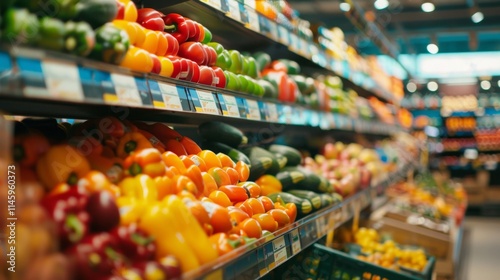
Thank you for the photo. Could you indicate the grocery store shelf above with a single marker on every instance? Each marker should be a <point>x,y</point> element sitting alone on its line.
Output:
<point>231,19</point>
<point>257,259</point>
<point>46,84</point>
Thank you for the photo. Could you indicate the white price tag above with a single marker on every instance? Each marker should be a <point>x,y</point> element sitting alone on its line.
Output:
<point>304,47</point>
<point>294,42</point>
<point>272,112</point>
<point>126,89</point>
<point>279,248</point>
<point>321,226</point>
<point>214,3</point>
<point>288,112</point>
<point>170,96</point>
<point>207,101</point>
<point>253,111</point>
<point>284,35</point>
<point>231,106</point>
<point>234,10</point>
<point>63,80</point>
<point>273,29</point>
<point>295,240</point>
<point>253,20</point>
<point>250,3</point>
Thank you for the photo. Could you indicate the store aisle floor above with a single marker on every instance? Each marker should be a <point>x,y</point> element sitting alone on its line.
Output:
<point>481,251</point>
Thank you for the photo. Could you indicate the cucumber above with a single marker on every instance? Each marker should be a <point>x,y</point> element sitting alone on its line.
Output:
<point>282,160</point>
<point>304,206</point>
<point>313,197</point>
<point>290,179</point>
<point>255,153</point>
<point>293,156</point>
<point>234,154</point>
<point>215,131</point>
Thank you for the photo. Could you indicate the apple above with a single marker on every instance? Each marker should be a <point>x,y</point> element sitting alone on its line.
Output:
<point>347,185</point>
<point>330,151</point>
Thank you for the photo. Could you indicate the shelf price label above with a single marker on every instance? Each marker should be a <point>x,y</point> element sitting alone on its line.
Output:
<point>294,42</point>
<point>253,110</point>
<point>271,112</point>
<point>229,105</point>
<point>253,20</point>
<point>169,97</point>
<point>321,226</point>
<point>295,241</point>
<point>5,68</point>
<point>308,234</point>
<point>283,35</point>
<point>214,3</point>
<point>62,80</point>
<point>126,90</point>
<point>250,3</point>
<point>273,30</point>
<point>204,102</point>
<point>234,10</point>
<point>279,249</point>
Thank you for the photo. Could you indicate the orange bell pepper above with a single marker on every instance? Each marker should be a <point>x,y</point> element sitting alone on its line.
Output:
<point>199,212</point>
<point>140,186</point>
<point>289,208</point>
<point>61,164</point>
<point>147,161</point>
<point>111,166</point>
<point>219,216</point>
<point>225,243</point>
<point>132,142</point>
<point>137,59</point>
<point>157,144</point>
<point>97,181</point>
<point>28,148</point>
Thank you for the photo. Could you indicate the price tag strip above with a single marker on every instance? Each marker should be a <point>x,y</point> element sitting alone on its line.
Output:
<point>235,10</point>
<point>295,241</point>
<point>217,4</point>
<point>90,85</point>
<point>229,105</point>
<point>283,35</point>
<point>169,96</point>
<point>62,80</point>
<point>279,249</point>
<point>5,69</point>
<point>271,112</point>
<point>253,20</point>
<point>253,110</point>
<point>143,88</point>
<point>108,91</point>
<point>126,89</point>
<point>204,101</point>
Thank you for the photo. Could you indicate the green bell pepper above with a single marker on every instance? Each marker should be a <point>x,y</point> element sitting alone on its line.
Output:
<point>20,27</point>
<point>51,34</point>
<point>111,44</point>
<point>79,38</point>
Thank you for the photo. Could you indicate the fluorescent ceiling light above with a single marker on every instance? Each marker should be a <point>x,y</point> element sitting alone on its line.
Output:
<point>477,17</point>
<point>428,7</point>
<point>411,87</point>
<point>381,4</point>
<point>432,48</point>
<point>346,7</point>
<point>432,86</point>
<point>486,85</point>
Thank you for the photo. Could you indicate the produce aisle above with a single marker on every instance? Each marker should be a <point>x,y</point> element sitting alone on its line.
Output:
<point>208,140</point>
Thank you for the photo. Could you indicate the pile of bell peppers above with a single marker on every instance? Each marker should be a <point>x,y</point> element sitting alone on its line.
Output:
<point>134,198</point>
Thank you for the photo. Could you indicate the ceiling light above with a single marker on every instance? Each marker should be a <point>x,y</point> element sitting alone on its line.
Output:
<point>432,48</point>
<point>346,7</point>
<point>428,7</point>
<point>477,17</point>
<point>486,85</point>
<point>381,4</point>
<point>432,86</point>
<point>411,87</point>
<point>498,83</point>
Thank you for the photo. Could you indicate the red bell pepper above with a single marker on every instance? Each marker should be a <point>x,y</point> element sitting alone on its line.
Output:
<point>134,243</point>
<point>181,67</point>
<point>151,19</point>
<point>193,51</point>
<point>194,30</point>
<point>207,76</point>
<point>193,71</point>
<point>68,210</point>
<point>172,44</point>
<point>211,55</point>
<point>96,257</point>
<point>177,26</point>
<point>220,79</point>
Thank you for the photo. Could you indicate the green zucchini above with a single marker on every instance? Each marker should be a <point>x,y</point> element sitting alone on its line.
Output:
<point>282,160</point>
<point>96,12</point>
<point>255,153</point>
<point>222,132</point>
<point>313,197</point>
<point>293,156</point>
<point>304,206</point>
<point>234,154</point>
<point>259,167</point>
<point>290,179</point>
<point>337,198</point>
<point>326,200</point>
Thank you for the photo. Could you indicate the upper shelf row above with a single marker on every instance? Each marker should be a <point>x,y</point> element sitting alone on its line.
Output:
<point>236,24</point>
<point>43,83</point>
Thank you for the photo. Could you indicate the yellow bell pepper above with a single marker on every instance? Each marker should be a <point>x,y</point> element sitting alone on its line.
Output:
<point>162,223</point>
<point>61,164</point>
<point>192,231</point>
<point>140,186</point>
<point>131,209</point>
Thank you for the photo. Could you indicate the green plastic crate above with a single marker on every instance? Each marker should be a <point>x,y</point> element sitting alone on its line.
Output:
<point>335,264</point>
